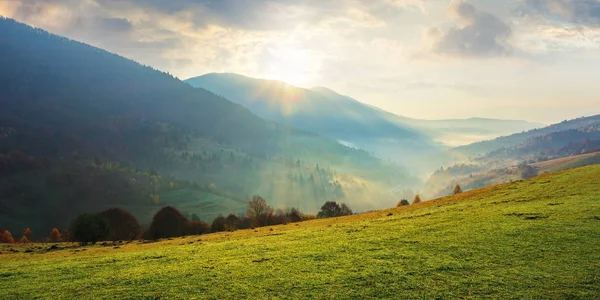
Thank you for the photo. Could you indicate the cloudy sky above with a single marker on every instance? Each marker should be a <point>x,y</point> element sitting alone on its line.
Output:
<point>537,60</point>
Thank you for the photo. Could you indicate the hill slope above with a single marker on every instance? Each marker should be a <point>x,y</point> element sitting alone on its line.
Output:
<point>530,239</point>
<point>79,125</point>
<point>513,140</point>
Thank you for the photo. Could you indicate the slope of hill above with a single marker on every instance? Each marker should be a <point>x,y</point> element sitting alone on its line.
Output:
<point>531,239</point>
<point>68,107</point>
<point>471,177</point>
<point>484,147</point>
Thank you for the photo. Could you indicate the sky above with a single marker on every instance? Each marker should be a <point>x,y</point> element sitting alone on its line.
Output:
<point>537,60</point>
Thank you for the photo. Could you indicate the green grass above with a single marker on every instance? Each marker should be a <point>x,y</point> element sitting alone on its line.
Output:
<point>530,239</point>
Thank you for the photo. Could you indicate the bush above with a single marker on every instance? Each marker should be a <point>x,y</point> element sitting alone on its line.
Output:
<point>167,222</point>
<point>89,228</point>
<point>24,240</point>
<point>417,199</point>
<point>123,225</point>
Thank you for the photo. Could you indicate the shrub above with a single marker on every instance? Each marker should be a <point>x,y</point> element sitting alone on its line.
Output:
<point>89,228</point>
<point>219,224</point>
<point>55,235</point>
<point>6,237</point>
<point>417,199</point>
<point>167,222</point>
<point>123,225</point>
<point>24,240</point>
<point>457,190</point>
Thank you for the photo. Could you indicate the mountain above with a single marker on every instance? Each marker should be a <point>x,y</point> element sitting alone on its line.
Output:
<point>340,118</point>
<point>450,132</point>
<point>481,148</point>
<point>82,129</point>
<point>414,143</point>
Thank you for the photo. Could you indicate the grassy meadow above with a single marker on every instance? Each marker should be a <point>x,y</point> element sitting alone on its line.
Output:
<point>538,238</point>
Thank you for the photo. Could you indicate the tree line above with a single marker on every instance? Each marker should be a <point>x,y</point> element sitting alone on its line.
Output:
<point>116,224</point>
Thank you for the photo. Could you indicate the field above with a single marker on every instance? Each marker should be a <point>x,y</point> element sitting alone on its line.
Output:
<point>537,238</point>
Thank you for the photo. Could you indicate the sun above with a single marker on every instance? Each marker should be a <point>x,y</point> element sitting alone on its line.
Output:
<point>291,65</point>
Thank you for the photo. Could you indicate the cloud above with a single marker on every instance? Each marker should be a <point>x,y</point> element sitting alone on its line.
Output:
<point>581,12</point>
<point>559,25</point>
<point>473,34</point>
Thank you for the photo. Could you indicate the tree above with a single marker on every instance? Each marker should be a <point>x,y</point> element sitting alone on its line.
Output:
<point>232,222</point>
<point>27,233</point>
<point>329,209</point>
<point>345,210</point>
<point>122,224</point>
<point>259,211</point>
<point>294,215</point>
<point>89,228</point>
<point>402,202</point>
<point>55,235</point>
<point>194,217</point>
<point>24,240</point>
<point>6,237</point>
<point>197,227</point>
<point>167,222</point>
<point>219,224</point>
<point>417,199</point>
<point>457,190</point>
<point>527,171</point>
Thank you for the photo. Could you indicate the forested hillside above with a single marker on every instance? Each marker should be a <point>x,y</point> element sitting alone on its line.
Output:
<point>81,127</point>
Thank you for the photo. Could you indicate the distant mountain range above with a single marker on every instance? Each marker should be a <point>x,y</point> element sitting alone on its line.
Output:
<point>321,110</point>
<point>484,147</point>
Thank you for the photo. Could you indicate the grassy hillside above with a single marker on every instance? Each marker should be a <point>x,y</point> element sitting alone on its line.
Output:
<point>471,177</point>
<point>529,239</point>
